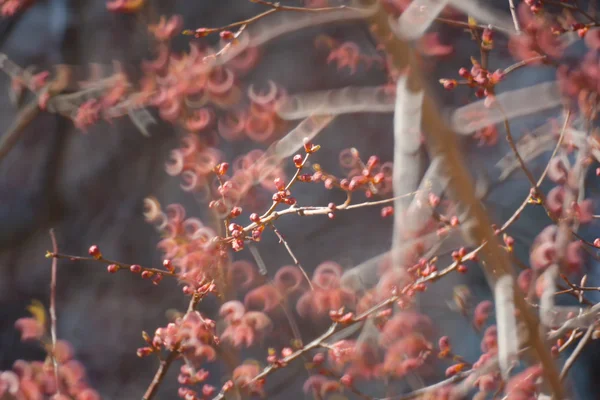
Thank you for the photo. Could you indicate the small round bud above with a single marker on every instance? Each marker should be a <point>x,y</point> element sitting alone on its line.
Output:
<point>318,359</point>
<point>94,251</point>
<point>332,206</point>
<point>254,217</point>
<point>448,84</point>
<point>144,351</point>
<point>464,73</point>
<point>222,168</point>
<point>462,269</point>
<point>305,178</point>
<point>387,211</point>
<point>372,162</point>
<point>168,265</point>
<point>298,159</point>
<point>346,380</point>
<point>201,32</point>
<point>227,35</point>
<point>147,274</point>
<point>279,184</point>
<point>157,279</point>
<point>236,211</point>
<point>112,268</point>
<point>136,269</point>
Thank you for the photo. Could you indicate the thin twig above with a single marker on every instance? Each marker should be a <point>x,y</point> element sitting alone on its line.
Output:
<point>294,258</point>
<point>160,374</point>
<point>513,13</point>
<point>571,360</point>
<point>274,7</point>
<point>542,177</point>
<point>53,310</point>
<point>120,265</point>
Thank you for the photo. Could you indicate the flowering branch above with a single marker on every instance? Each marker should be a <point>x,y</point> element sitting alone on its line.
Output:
<point>441,143</point>
<point>115,266</point>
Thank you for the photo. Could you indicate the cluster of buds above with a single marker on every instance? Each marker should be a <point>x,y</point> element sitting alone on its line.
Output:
<point>146,273</point>
<point>373,177</point>
<point>237,233</point>
<point>192,335</point>
<point>459,258</point>
<point>279,362</point>
<point>283,195</point>
<point>208,391</point>
<point>477,77</point>
<point>424,267</point>
<point>346,54</point>
<point>113,91</point>
<point>341,316</point>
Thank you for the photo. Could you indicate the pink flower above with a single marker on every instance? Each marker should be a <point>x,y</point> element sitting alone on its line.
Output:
<point>265,298</point>
<point>537,37</point>
<point>487,136</point>
<point>489,343</point>
<point>242,377</point>
<point>482,313</point>
<point>524,280</point>
<point>124,6</point>
<point>403,324</point>
<point>592,39</point>
<point>87,114</point>
<point>318,384</point>
<point>555,200</point>
<point>11,7</point>
<point>167,29</point>
<point>252,327</point>
<point>429,44</point>
<point>9,384</point>
<point>290,281</point>
<point>30,328</point>
<point>524,386</point>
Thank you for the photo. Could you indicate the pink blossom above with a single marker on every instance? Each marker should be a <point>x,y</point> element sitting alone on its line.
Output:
<point>482,313</point>
<point>429,44</point>
<point>403,324</point>
<point>524,385</point>
<point>537,37</point>
<point>290,281</point>
<point>243,376</point>
<point>31,329</point>
<point>167,29</point>
<point>592,39</point>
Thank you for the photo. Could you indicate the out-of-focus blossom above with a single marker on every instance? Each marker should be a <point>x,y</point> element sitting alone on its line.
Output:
<point>166,29</point>
<point>124,6</point>
<point>244,328</point>
<point>11,7</point>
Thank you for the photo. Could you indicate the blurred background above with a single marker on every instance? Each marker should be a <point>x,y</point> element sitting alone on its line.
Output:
<point>90,186</point>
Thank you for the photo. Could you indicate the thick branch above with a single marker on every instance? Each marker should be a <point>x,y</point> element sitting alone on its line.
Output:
<point>441,142</point>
